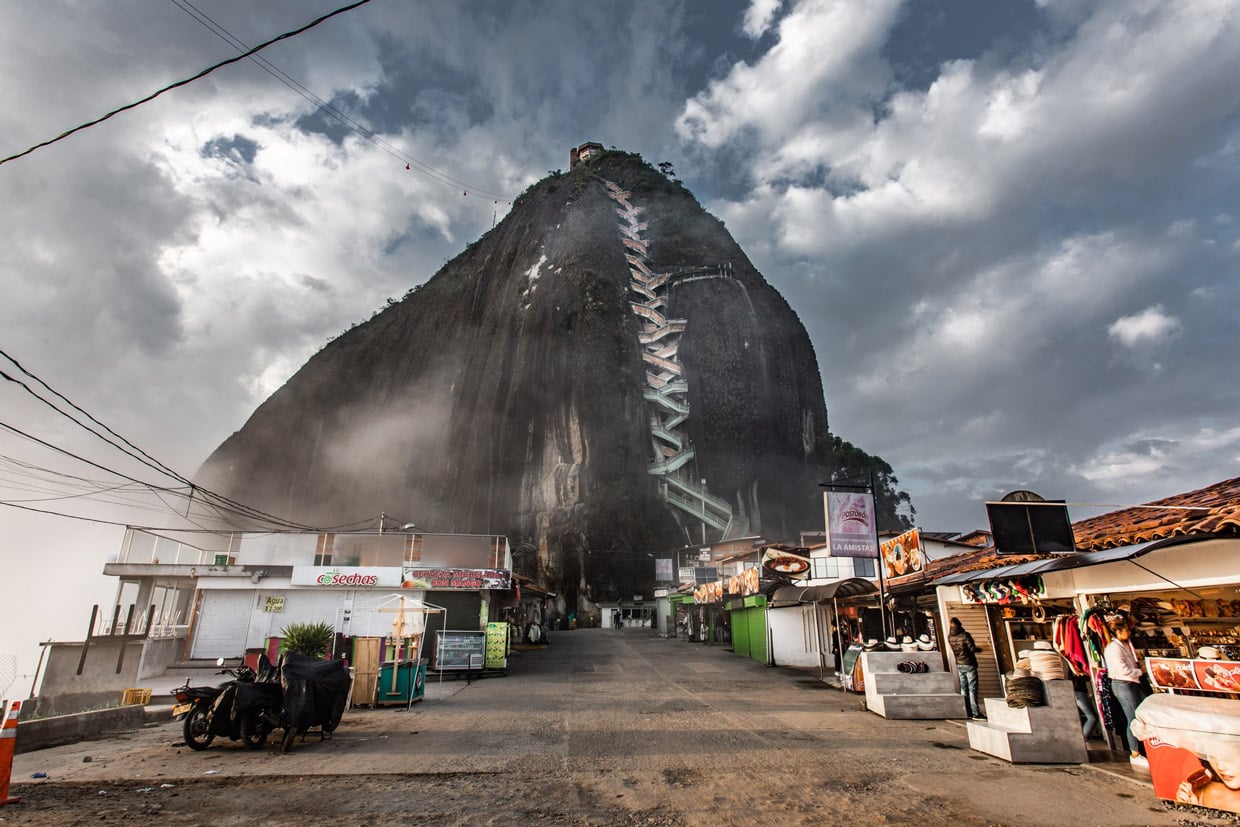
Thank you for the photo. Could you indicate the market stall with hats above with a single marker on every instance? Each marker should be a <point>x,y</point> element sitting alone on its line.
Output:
<point>1160,578</point>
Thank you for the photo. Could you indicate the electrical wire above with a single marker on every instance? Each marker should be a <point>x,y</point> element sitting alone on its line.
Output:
<point>280,75</point>
<point>153,529</point>
<point>217,500</point>
<point>184,82</point>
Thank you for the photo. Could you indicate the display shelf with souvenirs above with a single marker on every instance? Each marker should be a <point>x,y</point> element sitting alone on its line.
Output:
<point>1176,628</point>
<point>1025,634</point>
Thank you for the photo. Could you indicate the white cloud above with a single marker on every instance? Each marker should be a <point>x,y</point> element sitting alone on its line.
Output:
<point>1151,326</point>
<point>758,17</point>
<point>826,51</point>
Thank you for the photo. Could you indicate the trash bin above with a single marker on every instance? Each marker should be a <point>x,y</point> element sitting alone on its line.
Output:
<point>1193,746</point>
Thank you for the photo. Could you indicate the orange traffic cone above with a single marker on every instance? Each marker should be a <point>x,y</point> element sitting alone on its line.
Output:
<point>8,744</point>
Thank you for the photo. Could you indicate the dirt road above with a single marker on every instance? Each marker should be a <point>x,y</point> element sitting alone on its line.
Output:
<point>603,727</point>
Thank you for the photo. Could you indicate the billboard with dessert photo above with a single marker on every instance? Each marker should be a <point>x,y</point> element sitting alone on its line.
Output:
<point>903,554</point>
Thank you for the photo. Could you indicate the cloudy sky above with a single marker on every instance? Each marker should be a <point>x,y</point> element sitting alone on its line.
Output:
<point>1010,228</point>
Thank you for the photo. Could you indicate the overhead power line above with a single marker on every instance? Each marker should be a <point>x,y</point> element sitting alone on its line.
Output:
<point>222,505</point>
<point>185,82</point>
<point>328,109</point>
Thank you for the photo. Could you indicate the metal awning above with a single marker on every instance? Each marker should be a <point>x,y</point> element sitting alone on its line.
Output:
<point>797,595</point>
<point>1080,559</point>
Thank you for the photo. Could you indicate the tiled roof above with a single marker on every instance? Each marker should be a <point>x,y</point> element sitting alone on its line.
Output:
<point>983,558</point>
<point>1142,524</point>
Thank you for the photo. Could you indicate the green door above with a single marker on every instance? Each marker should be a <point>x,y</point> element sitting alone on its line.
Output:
<point>740,632</point>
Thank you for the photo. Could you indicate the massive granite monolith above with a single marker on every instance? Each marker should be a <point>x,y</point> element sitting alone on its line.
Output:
<point>602,375</point>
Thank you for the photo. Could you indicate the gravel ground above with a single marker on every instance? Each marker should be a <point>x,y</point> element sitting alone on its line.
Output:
<point>604,727</point>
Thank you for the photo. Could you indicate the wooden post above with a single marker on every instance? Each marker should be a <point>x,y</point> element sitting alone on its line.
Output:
<point>90,629</point>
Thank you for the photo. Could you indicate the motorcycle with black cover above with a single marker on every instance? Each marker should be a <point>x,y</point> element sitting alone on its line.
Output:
<point>257,706</point>
<point>315,693</point>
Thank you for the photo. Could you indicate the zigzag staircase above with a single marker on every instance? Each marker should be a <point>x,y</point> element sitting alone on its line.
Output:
<point>666,388</point>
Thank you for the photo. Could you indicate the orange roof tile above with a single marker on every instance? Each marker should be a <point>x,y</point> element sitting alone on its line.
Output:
<point>1141,524</point>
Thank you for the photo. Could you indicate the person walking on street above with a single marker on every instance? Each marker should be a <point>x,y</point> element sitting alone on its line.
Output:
<point>965,650</point>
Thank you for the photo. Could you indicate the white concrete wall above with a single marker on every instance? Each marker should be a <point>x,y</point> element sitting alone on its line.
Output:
<point>1194,565</point>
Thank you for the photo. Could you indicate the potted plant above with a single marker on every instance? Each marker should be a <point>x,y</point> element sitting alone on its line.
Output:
<point>311,639</point>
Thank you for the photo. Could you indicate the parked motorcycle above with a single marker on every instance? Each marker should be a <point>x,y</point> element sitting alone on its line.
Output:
<point>313,695</point>
<point>208,710</point>
<point>258,707</point>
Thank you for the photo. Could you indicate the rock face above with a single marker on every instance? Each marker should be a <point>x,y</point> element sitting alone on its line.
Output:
<point>569,380</point>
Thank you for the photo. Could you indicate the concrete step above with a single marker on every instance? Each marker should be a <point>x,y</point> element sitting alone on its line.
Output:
<point>990,738</point>
<point>917,707</point>
<point>879,662</point>
<point>1000,714</point>
<point>898,683</point>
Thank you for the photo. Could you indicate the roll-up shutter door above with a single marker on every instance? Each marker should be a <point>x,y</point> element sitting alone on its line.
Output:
<point>222,624</point>
<point>757,633</point>
<point>974,619</point>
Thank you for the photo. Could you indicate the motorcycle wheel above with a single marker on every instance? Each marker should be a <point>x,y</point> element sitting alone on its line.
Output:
<point>289,734</point>
<point>254,731</point>
<point>195,730</point>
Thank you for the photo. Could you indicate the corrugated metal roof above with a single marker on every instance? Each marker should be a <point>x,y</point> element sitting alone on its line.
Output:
<point>1045,565</point>
<point>795,595</point>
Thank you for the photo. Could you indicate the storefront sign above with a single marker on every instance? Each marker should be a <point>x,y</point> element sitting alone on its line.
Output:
<point>1171,673</point>
<point>346,576</point>
<point>745,583</point>
<point>783,564</point>
<point>273,604</point>
<point>902,555</point>
<point>1013,590</point>
<point>460,579</point>
<point>708,592</point>
<point>850,524</point>
<point>1203,675</point>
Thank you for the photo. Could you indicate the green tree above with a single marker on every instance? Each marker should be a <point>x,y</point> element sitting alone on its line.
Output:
<point>840,461</point>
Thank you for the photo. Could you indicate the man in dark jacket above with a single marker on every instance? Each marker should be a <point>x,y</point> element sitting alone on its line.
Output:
<point>965,651</point>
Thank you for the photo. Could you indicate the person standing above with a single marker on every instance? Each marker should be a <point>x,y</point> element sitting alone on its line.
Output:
<point>965,650</point>
<point>1085,703</point>
<point>1124,670</point>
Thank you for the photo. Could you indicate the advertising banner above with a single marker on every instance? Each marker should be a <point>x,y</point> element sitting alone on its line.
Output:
<point>850,524</point>
<point>902,555</point>
<point>663,570</point>
<point>450,579</point>
<point>348,577</point>
<point>785,564</point>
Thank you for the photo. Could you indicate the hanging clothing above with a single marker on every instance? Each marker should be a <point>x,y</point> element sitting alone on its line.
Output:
<point>1095,634</point>
<point>1067,642</point>
<point>1106,700</point>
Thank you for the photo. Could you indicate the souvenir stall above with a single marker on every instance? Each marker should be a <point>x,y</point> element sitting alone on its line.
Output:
<point>1181,597</point>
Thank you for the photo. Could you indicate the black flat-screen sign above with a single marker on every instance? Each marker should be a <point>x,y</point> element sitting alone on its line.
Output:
<point>1031,527</point>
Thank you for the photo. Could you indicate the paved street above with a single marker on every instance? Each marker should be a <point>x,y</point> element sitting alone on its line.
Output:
<point>602,727</point>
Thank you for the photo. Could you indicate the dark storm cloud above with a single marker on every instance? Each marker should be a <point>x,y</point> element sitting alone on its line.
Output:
<point>1010,229</point>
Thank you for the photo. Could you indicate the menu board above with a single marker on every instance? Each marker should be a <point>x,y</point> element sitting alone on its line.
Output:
<point>460,651</point>
<point>1200,675</point>
<point>497,645</point>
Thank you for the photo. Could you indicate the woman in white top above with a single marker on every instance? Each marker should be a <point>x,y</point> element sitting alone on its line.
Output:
<point>1124,670</point>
